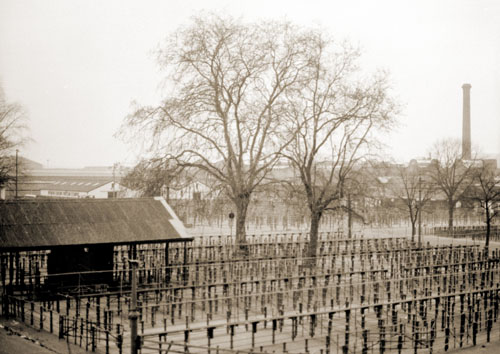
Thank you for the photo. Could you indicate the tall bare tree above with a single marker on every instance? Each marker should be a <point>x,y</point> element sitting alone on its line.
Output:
<point>451,175</point>
<point>486,192</point>
<point>334,114</point>
<point>228,81</point>
<point>12,118</point>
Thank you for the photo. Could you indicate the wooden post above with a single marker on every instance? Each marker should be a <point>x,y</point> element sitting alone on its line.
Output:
<point>133,315</point>
<point>167,264</point>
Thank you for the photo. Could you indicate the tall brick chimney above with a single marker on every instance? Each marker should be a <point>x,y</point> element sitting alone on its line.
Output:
<point>466,140</point>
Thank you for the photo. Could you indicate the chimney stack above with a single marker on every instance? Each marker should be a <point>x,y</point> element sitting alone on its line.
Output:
<point>466,140</point>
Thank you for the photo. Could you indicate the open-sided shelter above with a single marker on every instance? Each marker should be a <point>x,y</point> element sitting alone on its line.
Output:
<point>80,236</point>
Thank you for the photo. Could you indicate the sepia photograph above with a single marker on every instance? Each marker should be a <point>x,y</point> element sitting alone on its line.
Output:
<point>238,177</point>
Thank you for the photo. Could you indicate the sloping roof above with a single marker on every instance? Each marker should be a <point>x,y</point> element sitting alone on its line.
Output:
<point>62,183</point>
<point>46,222</point>
<point>73,186</point>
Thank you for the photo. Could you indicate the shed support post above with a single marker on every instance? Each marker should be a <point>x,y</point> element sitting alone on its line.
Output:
<point>185,273</point>
<point>11,273</point>
<point>167,269</point>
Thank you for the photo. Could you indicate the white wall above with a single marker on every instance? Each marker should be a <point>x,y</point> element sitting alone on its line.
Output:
<point>102,191</point>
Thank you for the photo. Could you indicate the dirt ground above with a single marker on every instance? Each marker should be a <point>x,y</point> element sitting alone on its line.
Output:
<point>16,338</point>
<point>490,348</point>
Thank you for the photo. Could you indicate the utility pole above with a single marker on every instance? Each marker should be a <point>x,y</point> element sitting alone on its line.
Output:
<point>419,212</point>
<point>349,216</point>
<point>17,173</point>
<point>133,315</point>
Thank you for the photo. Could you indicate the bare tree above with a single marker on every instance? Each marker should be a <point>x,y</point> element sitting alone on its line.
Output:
<point>334,114</point>
<point>451,174</point>
<point>357,192</point>
<point>12,118</point>
<point>228,82</point>
<point>486,192</point>
<point>414,190</point>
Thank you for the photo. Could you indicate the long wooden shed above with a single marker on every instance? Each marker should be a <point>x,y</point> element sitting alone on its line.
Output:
<point>80,236</point>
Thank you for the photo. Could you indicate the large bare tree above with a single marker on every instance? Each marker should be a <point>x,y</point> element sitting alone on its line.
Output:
<point>12,118</point>
<point>334,113</point>
<point>227,82</point>
<point>451,175</point>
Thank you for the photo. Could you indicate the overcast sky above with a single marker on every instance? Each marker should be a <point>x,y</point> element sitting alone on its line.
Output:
<point>76,65</point>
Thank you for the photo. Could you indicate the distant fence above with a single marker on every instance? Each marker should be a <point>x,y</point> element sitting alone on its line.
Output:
<point>477,232</point>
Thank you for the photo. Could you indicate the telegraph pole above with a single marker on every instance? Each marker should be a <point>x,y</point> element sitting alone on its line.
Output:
<point>349,216</point>
<point>420,212</point>
<point>17,173</point>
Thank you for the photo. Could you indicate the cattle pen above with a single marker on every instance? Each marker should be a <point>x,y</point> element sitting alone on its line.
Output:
<point>360,294</point>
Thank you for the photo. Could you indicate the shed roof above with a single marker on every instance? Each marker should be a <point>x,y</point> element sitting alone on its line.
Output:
<point>44,223</point>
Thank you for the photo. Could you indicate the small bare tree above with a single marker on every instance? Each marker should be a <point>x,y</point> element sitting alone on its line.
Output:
<point>334,114</point>
<point>12,126</point>
<point>486,192</point>
<point>228,83</point>
<point>451,174</point>
<point>414,190</point>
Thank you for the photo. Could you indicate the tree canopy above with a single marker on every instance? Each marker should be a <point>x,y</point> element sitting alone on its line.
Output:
<point>228,82</point>
<point>333,114</point>
<point>451,174</point>
<point>241,96</point>
<point>12,118</point>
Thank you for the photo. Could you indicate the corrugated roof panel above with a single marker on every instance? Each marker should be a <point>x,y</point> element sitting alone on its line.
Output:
<point>111,214</point>
<point>84,214</point>
<point>37,230</point>
<point>5,216</point>
<point>53,233</point>
<point>49,222</point>
<point>46,215</point>
<point>123,230</point>
<point>35,233</point>
<point>158,229</point>
<point>64,234</point>
<point>17,216</point>
<point>93,213</point>
<point>36,217</point>
<point>100,212</point>
<point>59,213</point>
<point>120,213</point>
<point>10,238</point>
<point>65,213</point>
<point>111,233</point>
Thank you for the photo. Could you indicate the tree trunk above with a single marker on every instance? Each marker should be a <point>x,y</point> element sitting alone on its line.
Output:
<point>413,230</point>
<point>313,233</point>
<point>349,217</point>
<point>451,209</point>
<point>241,215</point>
<point>488,231</point>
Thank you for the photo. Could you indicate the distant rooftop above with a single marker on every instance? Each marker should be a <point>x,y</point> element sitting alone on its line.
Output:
<point>88,172</point>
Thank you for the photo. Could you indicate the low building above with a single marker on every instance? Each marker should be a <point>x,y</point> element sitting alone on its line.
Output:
<point>65,187</point>
<point>92,182</point>
<point>70,243</point>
